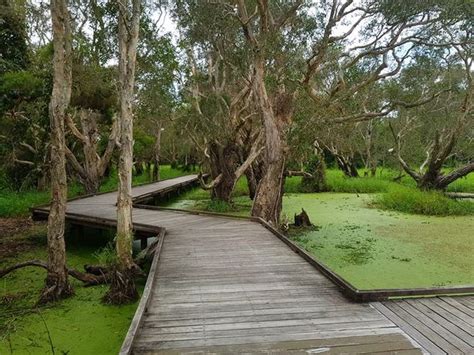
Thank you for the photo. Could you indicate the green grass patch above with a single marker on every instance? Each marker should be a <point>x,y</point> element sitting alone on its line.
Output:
<point>464,184</point>
<point>414,201</point>
<point>18,203</point>
<point>14,204</point>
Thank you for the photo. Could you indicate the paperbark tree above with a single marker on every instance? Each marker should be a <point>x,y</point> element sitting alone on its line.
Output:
<point>260,29</point>
<point>454,121</point>
<point>123,288</point>
<point>56,284</point>
<point>93,166</point>
<point>223,123</point>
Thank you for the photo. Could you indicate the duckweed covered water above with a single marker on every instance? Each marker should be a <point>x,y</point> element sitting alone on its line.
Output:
<point>377,249</point>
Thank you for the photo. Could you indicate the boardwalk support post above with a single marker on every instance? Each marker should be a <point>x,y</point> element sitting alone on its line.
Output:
<point>143,242</point>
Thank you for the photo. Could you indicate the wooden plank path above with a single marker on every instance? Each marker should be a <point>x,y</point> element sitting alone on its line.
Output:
<point>442,325</point>
<point>224,285</point>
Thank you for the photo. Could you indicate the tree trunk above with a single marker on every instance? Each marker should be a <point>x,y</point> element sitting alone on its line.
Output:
<point>224,163</point>
<point>91,186</point>
<point>254,175</point>
<point>268,200</point>
<point>128,26</point>
<point>57,285</point>
<point>347,165</point>
<point>156,155</point>
<point>316,182</point>
<point>91,158</point>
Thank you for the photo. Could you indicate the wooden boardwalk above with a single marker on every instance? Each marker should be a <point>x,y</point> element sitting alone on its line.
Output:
<point>224,285</point>
<point>441,325</point>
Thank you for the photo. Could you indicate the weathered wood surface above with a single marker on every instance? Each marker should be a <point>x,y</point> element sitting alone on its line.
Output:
<point>226,285</point>
<point>442,325</point>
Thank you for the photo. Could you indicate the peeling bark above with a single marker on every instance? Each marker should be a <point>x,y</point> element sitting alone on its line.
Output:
<point>57,285</point>
<point>123,287</point>
<point>268,199</point>
<point>157,154</point>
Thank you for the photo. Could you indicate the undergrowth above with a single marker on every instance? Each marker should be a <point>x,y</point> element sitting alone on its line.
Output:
<point>414,201</point>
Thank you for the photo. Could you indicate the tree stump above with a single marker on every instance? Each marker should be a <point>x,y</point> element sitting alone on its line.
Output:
<point>302,219</point>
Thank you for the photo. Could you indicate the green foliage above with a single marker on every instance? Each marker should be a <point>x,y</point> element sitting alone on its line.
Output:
<point>219,206</point>
<point>143,145</point>
<point>414,201</point>
<point>94,88</point>
<point>14,50</point>
<point>239,206</point>
<point>106,255</point>
<point>24,121</point>
<point>20,85</point>
<point>337,182</point>
<point>18,203</point>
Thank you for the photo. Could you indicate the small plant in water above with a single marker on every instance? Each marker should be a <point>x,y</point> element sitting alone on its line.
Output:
<point>106,255</point>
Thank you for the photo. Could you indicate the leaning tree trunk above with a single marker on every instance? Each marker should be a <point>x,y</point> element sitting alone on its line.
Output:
<point>57,285</point>
<point>254,175</point>
<point>347,165</point>
<point>123,290</point>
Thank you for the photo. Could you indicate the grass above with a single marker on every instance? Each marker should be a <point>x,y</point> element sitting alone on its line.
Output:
<point>337,182</point>
<point>414,201</point>
<point>14,203</point>
<point>81,324</point>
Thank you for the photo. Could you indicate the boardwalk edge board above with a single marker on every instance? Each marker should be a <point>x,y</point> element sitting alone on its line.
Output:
<point>144,300</point>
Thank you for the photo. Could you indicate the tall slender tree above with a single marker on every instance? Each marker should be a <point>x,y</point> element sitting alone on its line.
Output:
<point>57,285</point>
<point>123,289</point>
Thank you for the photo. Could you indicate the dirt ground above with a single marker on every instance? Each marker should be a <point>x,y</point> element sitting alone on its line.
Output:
<point>16,235</point>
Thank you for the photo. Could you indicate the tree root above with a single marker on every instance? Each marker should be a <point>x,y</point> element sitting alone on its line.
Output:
<point>122,288</point>
<point>55,289</point>
<point>89,279</point>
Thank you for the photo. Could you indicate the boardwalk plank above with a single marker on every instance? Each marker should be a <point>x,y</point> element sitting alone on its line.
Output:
<point>434,326</point>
